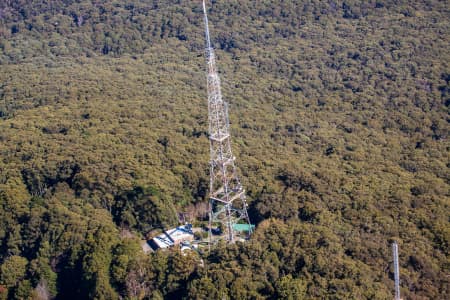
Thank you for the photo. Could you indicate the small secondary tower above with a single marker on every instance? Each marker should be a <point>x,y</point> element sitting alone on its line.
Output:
<point>396,271</point>
<point>227,205</point>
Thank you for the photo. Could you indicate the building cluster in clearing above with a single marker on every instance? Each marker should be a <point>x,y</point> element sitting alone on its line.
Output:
<point>172,237</point>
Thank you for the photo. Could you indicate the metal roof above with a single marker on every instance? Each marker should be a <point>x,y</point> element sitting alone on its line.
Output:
<point>243,227</point>
<point>171,236</point>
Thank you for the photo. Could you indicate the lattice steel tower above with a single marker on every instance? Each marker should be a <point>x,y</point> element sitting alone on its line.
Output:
<point>227,205</point>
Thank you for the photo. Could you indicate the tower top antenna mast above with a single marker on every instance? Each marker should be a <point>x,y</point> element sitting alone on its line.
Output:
<point>208,39</point>
<point>396,271</point>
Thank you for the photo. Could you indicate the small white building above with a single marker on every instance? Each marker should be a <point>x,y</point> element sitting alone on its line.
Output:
<point>172,237</point>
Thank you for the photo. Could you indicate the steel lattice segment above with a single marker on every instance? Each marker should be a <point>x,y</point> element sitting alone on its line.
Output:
<point>227,204</point>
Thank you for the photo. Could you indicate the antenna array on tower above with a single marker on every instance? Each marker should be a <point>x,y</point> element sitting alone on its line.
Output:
<point>396,271</point>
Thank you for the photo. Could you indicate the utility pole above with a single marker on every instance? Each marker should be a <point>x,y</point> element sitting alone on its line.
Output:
<point>396,271</point>
<point>227,204</point>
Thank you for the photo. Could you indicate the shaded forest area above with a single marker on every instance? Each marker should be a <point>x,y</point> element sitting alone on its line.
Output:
<point>339,115</point>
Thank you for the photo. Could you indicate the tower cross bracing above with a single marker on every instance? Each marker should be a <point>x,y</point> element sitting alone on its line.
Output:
<point>227,204</point>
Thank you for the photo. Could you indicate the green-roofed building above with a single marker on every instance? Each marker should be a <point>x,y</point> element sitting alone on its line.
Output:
<point>243,227</point>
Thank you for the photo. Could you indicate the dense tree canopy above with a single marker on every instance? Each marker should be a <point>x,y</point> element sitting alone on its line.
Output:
<point>339,116</point>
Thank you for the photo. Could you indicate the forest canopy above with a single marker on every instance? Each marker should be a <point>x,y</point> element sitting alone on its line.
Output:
<point>339,116</point>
